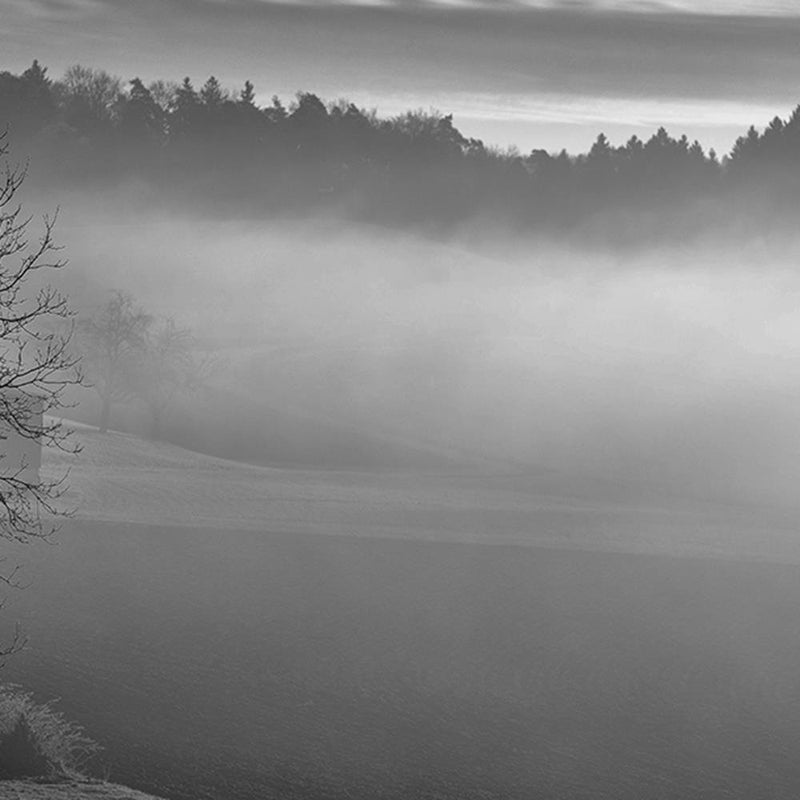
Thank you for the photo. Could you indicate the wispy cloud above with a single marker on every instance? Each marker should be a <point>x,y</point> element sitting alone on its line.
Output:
<point>714,7</point>
<point>553,121</point>
<point>719,8</point>
<point>595,111</point>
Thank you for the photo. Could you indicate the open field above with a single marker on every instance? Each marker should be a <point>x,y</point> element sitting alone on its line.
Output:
<point>244,665</point>
<point>231,650</point>
<point>125,479</point>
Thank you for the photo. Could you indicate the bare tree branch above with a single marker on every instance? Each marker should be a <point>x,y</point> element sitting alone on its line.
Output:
<point>37,364</point>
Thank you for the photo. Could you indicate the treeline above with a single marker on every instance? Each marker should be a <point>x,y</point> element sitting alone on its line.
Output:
<point>221,150</point>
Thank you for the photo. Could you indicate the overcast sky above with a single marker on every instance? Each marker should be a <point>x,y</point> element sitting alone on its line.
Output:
<point>535,74</point>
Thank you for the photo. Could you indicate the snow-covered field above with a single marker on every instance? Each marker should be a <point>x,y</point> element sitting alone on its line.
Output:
<point>122,478</point>
<point>200,621</point>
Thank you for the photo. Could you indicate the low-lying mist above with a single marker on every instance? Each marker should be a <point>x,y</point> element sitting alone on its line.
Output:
<point>671,369</point>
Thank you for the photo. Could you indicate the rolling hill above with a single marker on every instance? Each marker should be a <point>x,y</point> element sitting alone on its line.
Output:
<point>229,630</point>
<point>122,478</point>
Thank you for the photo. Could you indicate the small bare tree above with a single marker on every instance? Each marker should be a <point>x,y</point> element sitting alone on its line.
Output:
<point>167,367</point>
<point>113,340</point>
<point>36,367</point>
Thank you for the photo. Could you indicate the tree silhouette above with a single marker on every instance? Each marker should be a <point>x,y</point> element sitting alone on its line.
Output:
<point>141,120</point>
<point>213,147</point>
<point>112,341</point>
<point>90,98</point>
<point>36,362</point>
<point>184,113</point>
<point>247,97</point>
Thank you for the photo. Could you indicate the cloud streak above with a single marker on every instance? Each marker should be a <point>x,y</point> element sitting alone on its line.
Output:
<point>719,8</point>
<point>554,108</point>
<point>577,49</point>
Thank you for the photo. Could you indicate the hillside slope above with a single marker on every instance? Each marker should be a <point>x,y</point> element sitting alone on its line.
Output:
<point>125,479</point>
<point>363,667</point>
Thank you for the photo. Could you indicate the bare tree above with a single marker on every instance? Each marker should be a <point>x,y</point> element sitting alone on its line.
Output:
<point>113,340</point>
<point>96,91</point>
<point>36,367</point>
<point>36,362</point>
<point>168,366</point>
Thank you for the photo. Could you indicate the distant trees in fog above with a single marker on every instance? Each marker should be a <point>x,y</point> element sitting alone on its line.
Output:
<point>112,341</point>
<point>168,364</point>
<point>209,145</point>
<point>129,354</point>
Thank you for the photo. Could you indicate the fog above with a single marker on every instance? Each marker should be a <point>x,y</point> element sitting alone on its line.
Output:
<point>669,370</point>
<point>492,558</point>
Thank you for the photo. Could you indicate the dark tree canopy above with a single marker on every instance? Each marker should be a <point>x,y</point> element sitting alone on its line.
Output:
<point>221,149</point>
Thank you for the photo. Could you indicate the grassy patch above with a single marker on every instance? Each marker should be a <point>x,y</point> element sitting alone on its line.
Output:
<point>36,741</point>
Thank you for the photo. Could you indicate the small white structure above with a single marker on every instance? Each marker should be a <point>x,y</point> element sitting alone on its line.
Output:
<point>21,456</point>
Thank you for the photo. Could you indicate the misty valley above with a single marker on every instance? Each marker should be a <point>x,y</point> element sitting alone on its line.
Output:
<point>407,632</point>
<point>347,456</point>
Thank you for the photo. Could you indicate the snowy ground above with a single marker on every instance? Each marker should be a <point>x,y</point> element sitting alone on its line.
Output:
<point>122,478</point>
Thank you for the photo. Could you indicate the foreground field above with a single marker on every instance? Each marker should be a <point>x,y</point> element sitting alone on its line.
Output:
<point>461,636</point>
<point>28,790</point>
<point>213,664</point>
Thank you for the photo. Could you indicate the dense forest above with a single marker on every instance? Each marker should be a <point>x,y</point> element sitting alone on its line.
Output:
<point>221,152</point>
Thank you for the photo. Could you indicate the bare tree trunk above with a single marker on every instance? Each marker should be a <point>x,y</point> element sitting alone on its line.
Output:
<point>105,415</point>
